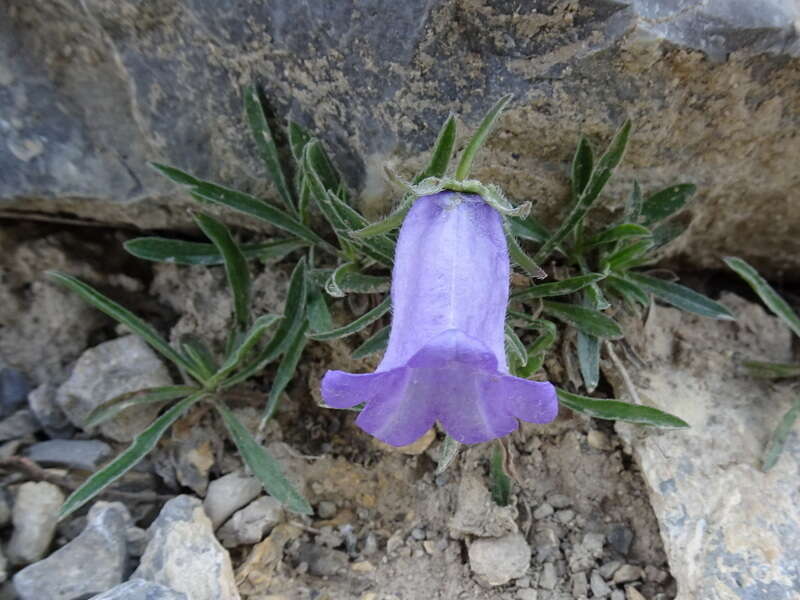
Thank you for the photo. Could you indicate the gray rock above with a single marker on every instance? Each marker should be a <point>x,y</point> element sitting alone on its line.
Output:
<point>14,389</point>
<point>580,585</point>
<point>250,524</point>
<point>139,589</point>
<point>5,506</point>
<point>559,501</point>
<point>599,587</point>
<point>183,535</point>
<point>116,367</point>
<point>19,425</point>
<point>43,405</point>
<point>3,566</point>
<point>620,538</point>
<point>549,576</point>
<point>322,561</point>
<point>496,561</point>
<point>91,563</point>
<point>476,512</point>
<point>228,494</point>
<point>713,503</point>
<point>34,516</point>
<point>608,569</point>
<point>543,511</point>
<point>326,509</point>
<point>137,540</point>
<point>627,573</point>
<point>527,594</point>
<point>86,455</point>
<point>565,516</point>
<point>617,595</point>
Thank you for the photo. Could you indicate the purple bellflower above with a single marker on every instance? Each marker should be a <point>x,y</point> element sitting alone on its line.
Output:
<point>446,358</point>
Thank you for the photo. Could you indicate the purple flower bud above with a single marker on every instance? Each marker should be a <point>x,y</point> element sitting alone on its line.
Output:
<point>446,356</point>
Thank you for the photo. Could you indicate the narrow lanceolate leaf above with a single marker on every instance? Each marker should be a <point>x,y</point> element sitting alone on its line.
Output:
<point>614,410</point>
<point>179,252</point>
<point>235,266</point>
<point>515,347</point>
<point>519,256</point>
<point>245,347</point>
<point>318,314</point>
<point>111,408</point>
<point>666,202</point>
<point>124,316</point>
<point>263,465</point>
<point>286,369</point>
<point>355,282</point>
<point>500,481</point>
<point>317,159</point>
<point>582,164</point>
<point>588,349</point>
<point>378,248</point>
<point>256,116</point>
<point>628,291</point>
<point>176,175</point>
<point>558,288</point>
<point>766,292</point>
<point>680,296</point>
<point>442,152</point>
<point>298,138</point>
<point>198,354</point>
<point>123,463</point>
<point>391,222</point>
<point>780,435</point>
<point>618,232</point>
<point>332,285</point>
<point>633,207</point>
<point>768,370</point>
<point>666,232</point>
<point>583,319</point>
<point>601,173</point>
<point>626,256</point>
<point>357,325</point>
<point>529,229</point>
<point>479,137</point>
<point>377,342</point>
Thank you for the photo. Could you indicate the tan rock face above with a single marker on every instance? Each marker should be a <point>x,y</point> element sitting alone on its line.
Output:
<point>714,90</point>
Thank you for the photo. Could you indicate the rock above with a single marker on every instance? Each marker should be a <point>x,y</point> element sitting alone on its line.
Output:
<point>18,425</point>
<point>126,364</point>
<point>617,595</point>
<point>91,563</point>
<point>627,573</point>
<point>3,566</point>
<point>35,516</point>
<point>585,554</point>
<point>228,494</point>
<point>620,538</point>
<point>43,405</point>
<point>137,540</point>
<point>322,561</point>
<point>527,594</point>
<point>326,509</point>
<point>476,512</point>
<point>559,501</point>
<point>729,529</point>
<point>565,516</point>
<point>85,455</point>
<point>608,569</point>
<point>14,389</point>
<point>5,507</point>
<point>138,589</point>
<point>599,587</point>
<point>543,511</point>
<point>496,561</point>
<point>580,585</point>
<point>631,593</point>
<point>250,524</point>
<point>566,64</point>
<point>549,577</point>
<point>183,535</point>
<point>598,440</point>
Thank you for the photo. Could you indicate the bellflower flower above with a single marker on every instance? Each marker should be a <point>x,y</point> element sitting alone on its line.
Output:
<point>446,359</point>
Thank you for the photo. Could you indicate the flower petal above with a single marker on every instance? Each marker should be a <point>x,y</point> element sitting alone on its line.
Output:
<point>345,390</point>
<point>531,401</point>
<point>453,348</point>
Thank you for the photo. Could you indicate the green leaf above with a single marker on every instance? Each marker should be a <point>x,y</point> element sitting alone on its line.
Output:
<point>666,232</point>
<point>627,290</point>
<point>666,202</point>
<point>198,353</point>
<point>448,453</point>
<point>442,151</point>
<point>317,159</point>
<point>633,207</point>
<point>332,285</point>
<point>318,314</point>
<point>500,481</point>
<point>780,435</point>
<point>601,173</point>
<point>263,465</point>
<point>241,352</point>
<point>583,319</point>
<point>766,292</point>
<point>768,370</point>
<point>257,118</point>
<point>617,233</point>
<point>179,252</point>
<point>529,229</point>
<point>111,408</point>
<point>392,221</point>
<point>558,288</point>
<point>626,256</point>
<point>124,316</point>
<point>298,138</point>
<point>356,282</point>
<point>357,325</point>
<point>377,342</point>
<point>582,164</point>
<point>614,410</point>
<point>479,137</point>
<point>515,347</point>
<point>588,349</point>
<point>286,369</point>
<point>123,463</point>
<point>519,256</point>
<point>680,296</point>
<point>235,266</point>
<point>176,175</point>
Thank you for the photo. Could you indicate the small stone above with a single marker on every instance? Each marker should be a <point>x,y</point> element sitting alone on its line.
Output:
<point>559,501</point>
<point>631,593</point>
<point>549,576</point>
<point>362,566</point>
<point>620,538</point>
<point>429,546</point>
<point>183,535</point>
<point>418,534</point>
<point>85,455</point>
<point>617,595</point>
<point>496,561</point>
<point>565,516</point>
<point>655,574</point>
<point>35,516</point>
<point>137,540</point>
<point>3,566</point>
<point>19,425</point>
<point>5,507</point>
<point>326,509</point>
<point>547,542</point>
<point>580,584</point>
<point>252,523</point>
<point>228,494</point>
<point>119,366</point>
<point>628,573</point>
<point>322,562</point>
<point>370,545</point>
<point>43,405</point>
<point>523,582</point>
<point>608,569</point>
<point>477,514</point>
<point>14,389</point>
<point>599,586</point>
<point>139,589</point>
<point>598,440</point>
<point>544,511</point>
<point>527,594</point>
<point>100,548</point>
<point>394,542</point>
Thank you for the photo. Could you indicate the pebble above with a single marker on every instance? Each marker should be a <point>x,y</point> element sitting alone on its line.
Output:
<point>3,566</point>
<point>496,561</point>
<point>559,501</point>
<point>326,509</point>
<point>126,364</point>
<point>252,523</point>
<point>565,516</point>
<point>631,593</point>
<point>527,594</point>
<point>35,516</point>
<point>544,511</point>
<point>620,538</point>
<point>655,574</point>
<point>370,545</point>
<point>228,494</point>
<point>5,507</point>
<point>63,575</point>
<point>19,425</point>
<point>599,586</point>
<point>617,595</point>
<point>549,576</point>
<point>42,402</point>
<point>139,589</point>
<point>608,569</point>
<point>85,455</point>
<point>418,534</point>
<point>323,562</point>
<point>598,440</point>
<point>580,584</point>
<point>183,535</point>
<point>628,573</point>
<point>14,389</point>
<point>547,542</point>
<point>137,540</point>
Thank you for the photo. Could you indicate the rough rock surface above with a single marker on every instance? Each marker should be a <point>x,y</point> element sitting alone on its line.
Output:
<point>86,455</point>
<point>34,516</point>
<point>184,555</point>
<point>93,562</point>
<point>496,561</point>
<point>138,589</point>
<point>730,530</point>
<point>250,524</point>
<point>228,494</point>
<point>90,91</point>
